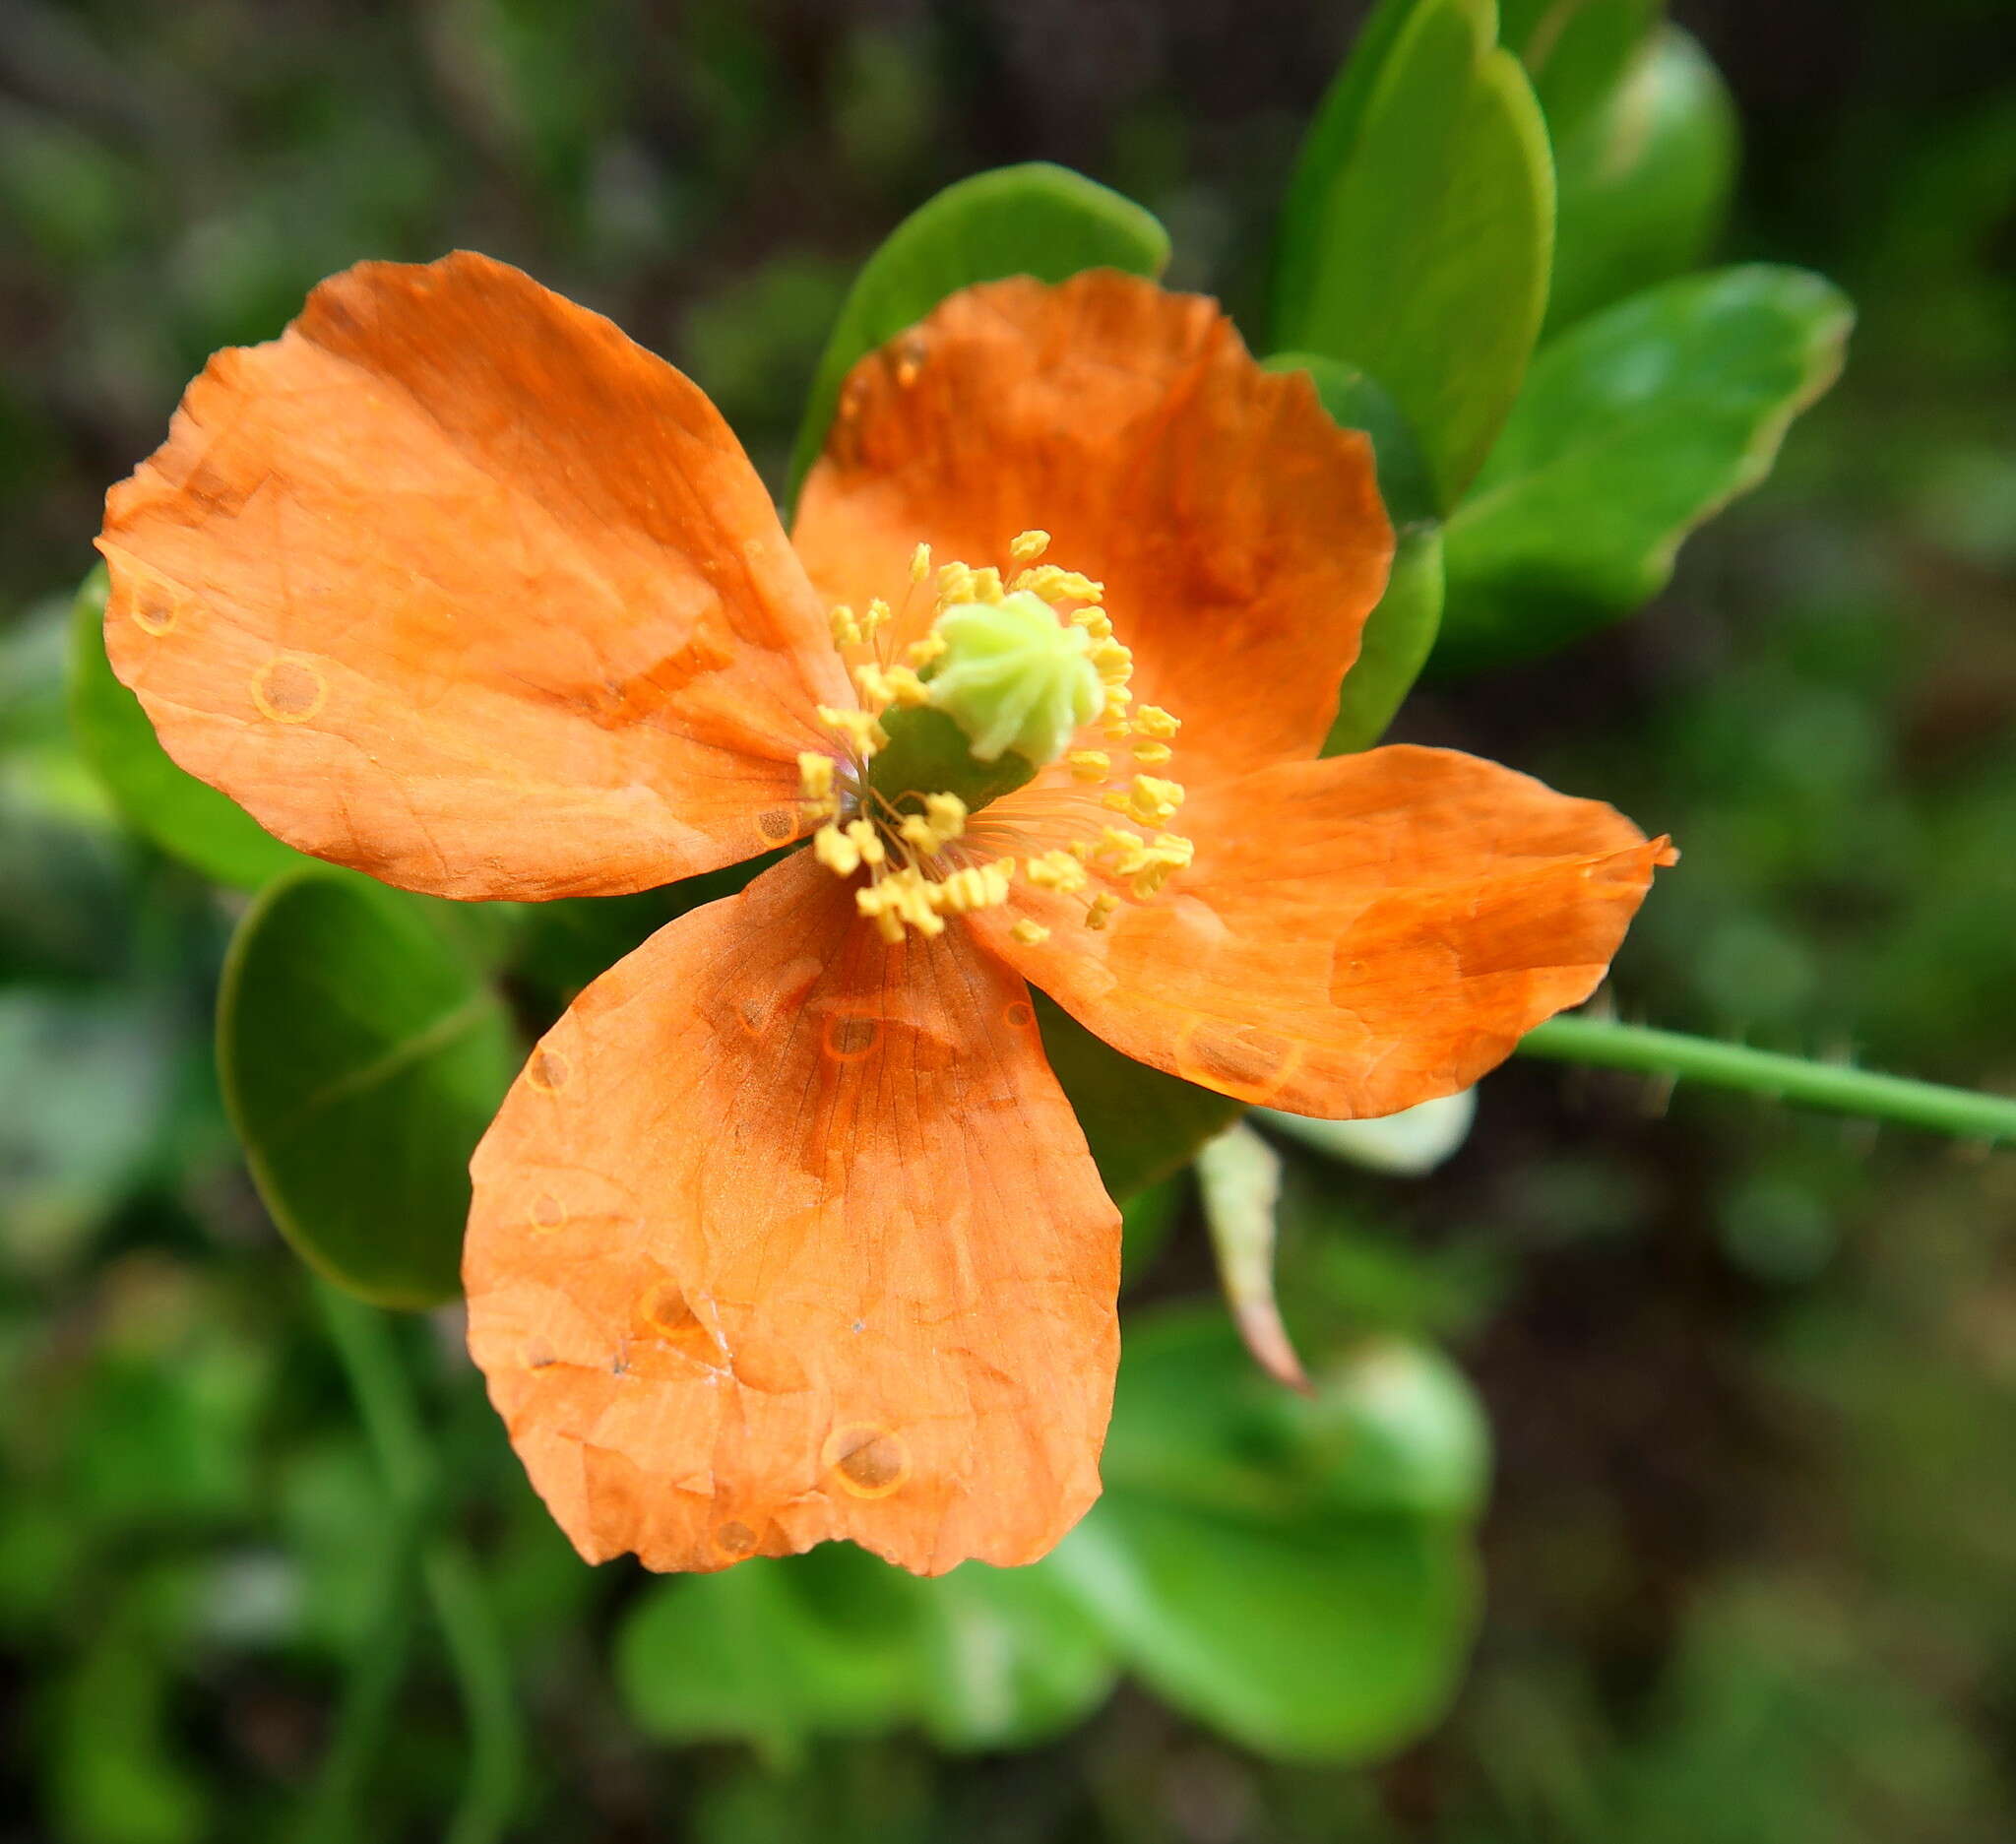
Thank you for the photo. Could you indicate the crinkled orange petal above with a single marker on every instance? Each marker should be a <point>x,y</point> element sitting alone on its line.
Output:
<point>454,584</point>
<point>786,1235</point>
<point>1356,936</point>
<point>1237,530</point>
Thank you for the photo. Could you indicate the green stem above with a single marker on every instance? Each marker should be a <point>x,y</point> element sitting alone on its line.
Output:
<point>334,1813</point>
<point>476,1655</point>
<point>1962,1113</point>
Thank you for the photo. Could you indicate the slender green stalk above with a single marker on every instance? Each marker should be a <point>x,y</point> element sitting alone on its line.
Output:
<point>1962,1113</point>
<point>334,1810</point>
<point>482,1669</point>
<point>476,1649</point>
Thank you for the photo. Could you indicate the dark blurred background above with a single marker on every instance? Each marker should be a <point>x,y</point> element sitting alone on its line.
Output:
<point>1752,1374</point>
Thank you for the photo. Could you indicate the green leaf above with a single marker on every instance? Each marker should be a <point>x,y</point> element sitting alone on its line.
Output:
<point>187,818</point>
<point>1033,219</point>
<point>1357,400</point>
<point>1643,181</point>
<point>1575,50</point>
<point>1141,1125</point>
<point>837,1643</point>
<point>1635,427</point>
<point>1399,637</point>
<point>1328,144</point>
<point>1400,633</point>
<point>1295,1571</point>
<point>361,1058</point>
<point>1420,231</point>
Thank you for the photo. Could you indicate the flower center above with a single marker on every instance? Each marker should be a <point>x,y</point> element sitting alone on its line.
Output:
<point>999,688</point>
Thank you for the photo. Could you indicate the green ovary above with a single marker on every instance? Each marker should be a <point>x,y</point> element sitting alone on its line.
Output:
<point>1013,678</point>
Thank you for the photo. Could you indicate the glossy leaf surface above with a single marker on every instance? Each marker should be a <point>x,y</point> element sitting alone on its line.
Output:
<point>361,1058</point>
<point>1635,427</point>
<point>1644,180</point>
<point>1575,50</point>
<point>1035,219</point>
<point>1140,1125</point>
<point>778,1652</point>
<point>1295,1571</point>
<point>187,818</point>
<point>1420,229</point>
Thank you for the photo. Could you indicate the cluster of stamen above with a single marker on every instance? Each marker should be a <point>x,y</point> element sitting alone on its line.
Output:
<point>922,863</point>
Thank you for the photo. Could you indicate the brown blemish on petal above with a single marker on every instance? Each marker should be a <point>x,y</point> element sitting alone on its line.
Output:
<point>778,825</point>
<point>548,1071</point>
<point>664,1314</point>
<point>848,1039</point>
<point>869,1462</point>
<point>1236,1059</point>
<point>290,689</point>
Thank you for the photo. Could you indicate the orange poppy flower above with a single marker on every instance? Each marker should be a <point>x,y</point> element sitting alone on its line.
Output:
<point>786,1231</point>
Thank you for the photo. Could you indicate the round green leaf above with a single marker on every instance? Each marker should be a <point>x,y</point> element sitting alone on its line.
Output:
<point>1140,1125</point>
<point>1400,633</point>
<point>1420,232</point>
<point>1357,400</point>
<point>748,1655</point>
<point>1035,219</point>
<point>361,1058</point>
<point>1296,1572</point>
<point>187,818</point>
<point>1643,181</point>
<point>1575,50</point>
<point>780,1652</point>
<point>1399,636</point>
<point>1635,427</point>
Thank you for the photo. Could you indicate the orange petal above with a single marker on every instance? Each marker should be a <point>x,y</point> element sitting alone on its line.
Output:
<point>1237,530</point>
<point>454,584</point>
<point>784,1235</point>
<point>1356,936</point>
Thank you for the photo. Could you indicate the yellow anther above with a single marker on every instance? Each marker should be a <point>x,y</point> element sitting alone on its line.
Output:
<point>1124,848</point>
<point>1028,548</point>
<point>836,850</point>
<point>1058,871</point>
<point>1168,852</point>
<point>1103,907</point>
<point>1055,585</point>
<point>1029,933</point>
<point>1152,721</point>
<point>1090,764</point>
<point>867,840</point>
<point>906,691</point>
<point>942,820</point>
<point>955,585</point>
<point>815,774</point>
<point>1148,799</point>
<point>860,727</point>
<point>920,563</point>
<point>947,814</point>
<point>875,683</point>
<point>1151,752</point>
<point>923,652</point>
<point>877,616</point>
<point>1095,621</point>
<point>846,631</point>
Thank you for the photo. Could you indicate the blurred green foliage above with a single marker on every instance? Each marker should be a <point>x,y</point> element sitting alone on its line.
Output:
<point>1752,1524</point>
